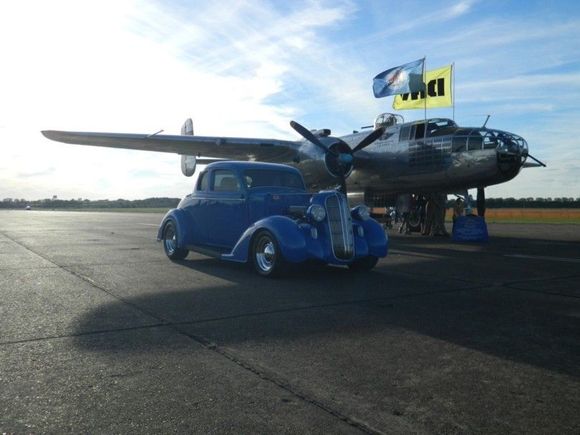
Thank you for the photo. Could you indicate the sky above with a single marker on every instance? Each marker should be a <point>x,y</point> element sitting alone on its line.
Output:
<point>246,68</point>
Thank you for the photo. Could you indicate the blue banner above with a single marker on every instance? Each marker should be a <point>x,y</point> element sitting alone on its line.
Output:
<point>402,79</point>
<point>470,229</point>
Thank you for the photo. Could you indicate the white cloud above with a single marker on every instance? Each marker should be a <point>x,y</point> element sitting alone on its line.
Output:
<point>242,68</point>
<point>134,67</point>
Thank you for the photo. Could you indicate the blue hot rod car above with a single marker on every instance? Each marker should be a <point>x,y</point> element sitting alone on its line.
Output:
<point>261,213</point>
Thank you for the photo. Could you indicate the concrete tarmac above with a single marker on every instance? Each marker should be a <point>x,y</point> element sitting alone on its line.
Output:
<point>101,333</point>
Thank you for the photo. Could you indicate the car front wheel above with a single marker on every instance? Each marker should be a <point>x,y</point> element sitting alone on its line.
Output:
<point>170,242</point>
<point>266,256</point>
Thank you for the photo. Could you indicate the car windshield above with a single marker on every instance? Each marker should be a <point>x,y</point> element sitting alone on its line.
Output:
<point>272,177</point>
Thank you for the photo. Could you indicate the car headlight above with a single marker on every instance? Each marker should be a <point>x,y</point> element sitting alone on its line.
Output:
<point>316,212</point>
<point>361,212</point>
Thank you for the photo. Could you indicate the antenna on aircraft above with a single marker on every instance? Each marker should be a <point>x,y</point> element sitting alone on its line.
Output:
<point>485,123</point>
<point>156,133</point>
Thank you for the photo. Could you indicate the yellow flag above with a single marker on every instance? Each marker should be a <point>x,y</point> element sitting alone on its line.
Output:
<point>438,92</point>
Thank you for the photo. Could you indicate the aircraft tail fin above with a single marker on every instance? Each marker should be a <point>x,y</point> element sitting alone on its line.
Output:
<point>188,163</point>
<point>187,128</point>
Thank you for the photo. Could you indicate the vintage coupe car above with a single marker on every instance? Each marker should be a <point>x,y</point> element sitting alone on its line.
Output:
<point>261,213</point>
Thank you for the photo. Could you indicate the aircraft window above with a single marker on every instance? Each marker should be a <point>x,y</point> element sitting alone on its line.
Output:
<point>203,182</point>
<point>387,120</point>
<point>405,133</point>
<point>269,178</point>
<point>475,142</point>
<point>225,181</point>
<point>458,143</point>
<point>440,127</point>
<point>419,131</point>
<point>489,142</point>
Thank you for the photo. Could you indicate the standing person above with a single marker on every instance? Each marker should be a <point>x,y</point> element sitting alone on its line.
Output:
<point>458,209</point>
<point>422,207</point>
<point>429,216</point>
<point>404,207</point>
<point>439,219</point>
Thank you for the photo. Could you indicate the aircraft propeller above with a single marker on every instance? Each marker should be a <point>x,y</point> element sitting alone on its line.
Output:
<point>339,156</point>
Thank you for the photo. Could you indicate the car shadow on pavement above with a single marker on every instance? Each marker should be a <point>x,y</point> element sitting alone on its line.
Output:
<point>525,327</point>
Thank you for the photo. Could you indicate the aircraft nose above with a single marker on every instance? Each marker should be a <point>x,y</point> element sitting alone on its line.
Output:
<point>512,151</point>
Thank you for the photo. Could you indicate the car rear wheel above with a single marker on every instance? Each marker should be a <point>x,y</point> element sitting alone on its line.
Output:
<point>364,264</point>
<point>266,256</point>
<point>170,242</point>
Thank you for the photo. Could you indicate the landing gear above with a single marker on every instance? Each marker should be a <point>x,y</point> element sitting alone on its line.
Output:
<point>481,201</point>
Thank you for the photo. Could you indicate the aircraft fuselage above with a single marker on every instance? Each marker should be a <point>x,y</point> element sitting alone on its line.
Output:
<point>422,157</point>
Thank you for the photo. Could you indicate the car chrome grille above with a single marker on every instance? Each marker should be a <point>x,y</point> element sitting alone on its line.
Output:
<point>340,226</point>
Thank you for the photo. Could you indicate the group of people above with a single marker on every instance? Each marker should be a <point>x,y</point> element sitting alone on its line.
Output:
<point>426,212</point>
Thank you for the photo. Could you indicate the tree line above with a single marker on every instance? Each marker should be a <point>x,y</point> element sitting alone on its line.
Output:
<point>80,204</point>
<point>531,202</point>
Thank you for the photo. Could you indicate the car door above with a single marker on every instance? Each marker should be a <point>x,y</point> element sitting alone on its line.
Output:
<point>194,205</point>
<point>226,210</point>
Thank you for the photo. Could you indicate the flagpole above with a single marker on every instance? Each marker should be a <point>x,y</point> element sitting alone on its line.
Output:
<point>425,83</point>
<point>453,81</point>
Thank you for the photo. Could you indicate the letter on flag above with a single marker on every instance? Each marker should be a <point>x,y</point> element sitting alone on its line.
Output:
<point>399,80</point>
<point>438,92</point>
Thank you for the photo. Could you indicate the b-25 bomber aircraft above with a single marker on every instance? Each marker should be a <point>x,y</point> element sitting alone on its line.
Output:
<point>431,155</point>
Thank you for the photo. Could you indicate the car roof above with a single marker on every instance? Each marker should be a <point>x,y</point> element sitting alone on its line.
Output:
<point>242,165</point>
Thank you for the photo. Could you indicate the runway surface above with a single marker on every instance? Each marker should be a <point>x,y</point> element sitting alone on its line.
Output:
<point>100,332</point>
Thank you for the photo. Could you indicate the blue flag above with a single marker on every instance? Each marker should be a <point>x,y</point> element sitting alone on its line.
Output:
<point>402,79</point>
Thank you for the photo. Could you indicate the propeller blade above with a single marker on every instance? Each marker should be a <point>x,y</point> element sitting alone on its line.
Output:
<point>307,134</point>
<point>536,160</point>
<point>369,139</point>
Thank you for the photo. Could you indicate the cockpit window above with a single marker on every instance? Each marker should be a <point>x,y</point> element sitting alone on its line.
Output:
<point>439,127</point>
<point>419,131</point>
<point>405,133</point>
<point>272,178</point>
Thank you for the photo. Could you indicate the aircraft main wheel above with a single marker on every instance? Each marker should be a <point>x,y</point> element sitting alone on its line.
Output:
<point>170,242</point>
<point>266,256</point>
<point>364,264</point>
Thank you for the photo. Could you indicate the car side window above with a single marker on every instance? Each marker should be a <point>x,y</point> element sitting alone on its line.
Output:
<point>202,183</point>
<point>225,181</point>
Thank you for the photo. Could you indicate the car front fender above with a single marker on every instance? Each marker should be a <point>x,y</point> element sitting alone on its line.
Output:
<point>290,237</point>
<point>375,237</point>
<point>182,224</point>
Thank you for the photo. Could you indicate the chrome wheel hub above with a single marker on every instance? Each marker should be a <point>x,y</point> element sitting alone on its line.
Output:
<point>170,240</point>
<point>265,255</point>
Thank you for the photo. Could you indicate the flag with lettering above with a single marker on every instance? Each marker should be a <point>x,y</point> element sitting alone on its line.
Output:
<point>399,80</point>
<point>438,92</point>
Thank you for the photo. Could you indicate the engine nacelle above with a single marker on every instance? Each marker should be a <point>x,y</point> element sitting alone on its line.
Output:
<point>188,164</point>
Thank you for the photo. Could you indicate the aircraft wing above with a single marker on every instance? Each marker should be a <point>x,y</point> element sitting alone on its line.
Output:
<point>221,147</point>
